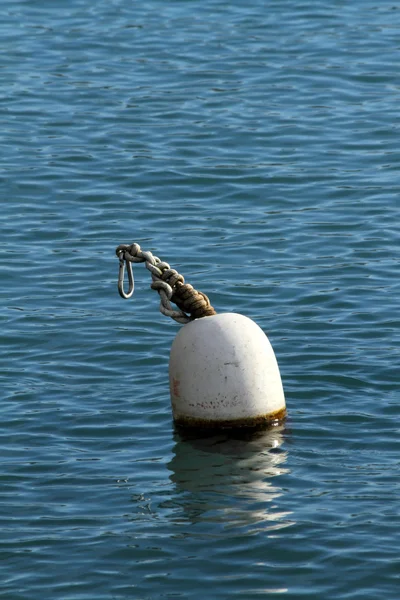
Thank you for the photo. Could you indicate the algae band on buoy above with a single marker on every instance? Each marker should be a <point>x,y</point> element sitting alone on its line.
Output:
<point>222,371</point>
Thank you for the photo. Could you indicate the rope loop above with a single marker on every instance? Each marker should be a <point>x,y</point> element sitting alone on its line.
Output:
<point>169,284</point>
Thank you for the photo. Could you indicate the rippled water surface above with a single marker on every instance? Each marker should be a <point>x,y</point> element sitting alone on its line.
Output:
<point>255,147</point>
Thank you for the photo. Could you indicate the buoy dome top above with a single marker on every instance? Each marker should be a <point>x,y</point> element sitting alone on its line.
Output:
<point>223,370</point>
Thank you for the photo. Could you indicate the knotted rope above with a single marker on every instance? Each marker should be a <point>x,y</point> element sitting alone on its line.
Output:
<point>168,282</point>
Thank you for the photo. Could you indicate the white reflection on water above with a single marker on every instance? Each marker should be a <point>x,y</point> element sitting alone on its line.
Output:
<point>230,479</point>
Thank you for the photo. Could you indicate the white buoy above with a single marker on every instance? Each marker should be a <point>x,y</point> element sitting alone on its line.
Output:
<point>223,373</point>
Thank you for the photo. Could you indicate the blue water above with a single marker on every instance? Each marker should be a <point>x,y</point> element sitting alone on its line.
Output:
<point>255,147</point>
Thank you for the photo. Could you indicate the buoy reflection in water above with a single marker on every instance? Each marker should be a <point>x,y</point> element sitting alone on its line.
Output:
<point>231,479</point>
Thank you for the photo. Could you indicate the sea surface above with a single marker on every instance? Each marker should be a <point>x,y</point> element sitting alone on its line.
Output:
<point>255,147</point>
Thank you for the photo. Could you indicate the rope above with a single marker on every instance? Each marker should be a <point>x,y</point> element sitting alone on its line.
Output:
<point>167,282</point>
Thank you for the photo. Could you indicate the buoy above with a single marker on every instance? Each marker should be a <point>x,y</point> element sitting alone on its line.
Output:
<point>223,371</point>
